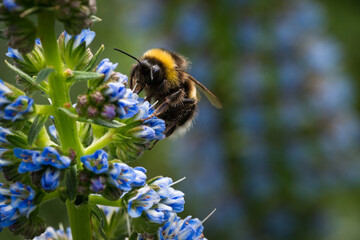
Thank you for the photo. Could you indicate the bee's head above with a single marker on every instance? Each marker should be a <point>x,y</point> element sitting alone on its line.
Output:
<point>144,72</point>
<point>147,74</point>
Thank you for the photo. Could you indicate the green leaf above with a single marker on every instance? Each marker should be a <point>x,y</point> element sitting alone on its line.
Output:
<point>101,122</point>
<point>97,212</point>
<point>144,225</point>
<point>26,77</point>
<point>35,128</point>
<point>68,112</point>
<point>92,63</point>
<point>43,74</point>
<point>17,141</point>
<point>109,124</point>
<point>71,183</point>
<point>133,236</point>
<point>84,76</point>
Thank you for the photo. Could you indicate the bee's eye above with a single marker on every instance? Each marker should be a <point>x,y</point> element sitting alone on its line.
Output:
<point>155,71</point>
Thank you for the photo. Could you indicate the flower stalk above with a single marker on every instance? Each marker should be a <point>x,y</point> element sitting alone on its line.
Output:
<point>79,216</point>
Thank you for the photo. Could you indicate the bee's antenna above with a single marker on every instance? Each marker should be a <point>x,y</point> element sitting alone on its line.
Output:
<point>127,54</point>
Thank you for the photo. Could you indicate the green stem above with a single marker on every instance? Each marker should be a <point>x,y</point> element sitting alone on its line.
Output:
<point>101,142</point>
<point>50,196</point>
<point>79,216</point>
<point>105,202</point>
<point>44,110</point>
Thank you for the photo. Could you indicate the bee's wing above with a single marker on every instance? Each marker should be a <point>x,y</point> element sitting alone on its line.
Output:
<point>212,98</point>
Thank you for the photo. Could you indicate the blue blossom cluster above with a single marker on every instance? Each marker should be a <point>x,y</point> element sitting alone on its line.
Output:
<point>85,37</point>
<point>113,100</point>
<point>157,200</point>
<point>74,49</point>
<point>51,233</point>
<point>48,162</point>
<point>178,229</point>
<point>104,175</point>
<point>16,201</point>
<point>13,109</point>
<point>31,63</point>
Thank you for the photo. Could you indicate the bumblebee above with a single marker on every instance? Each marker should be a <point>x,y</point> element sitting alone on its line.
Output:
<point>162,75</point>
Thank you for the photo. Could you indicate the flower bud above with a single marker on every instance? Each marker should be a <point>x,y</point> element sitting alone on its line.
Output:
<point>97,98</point>
<point>29,228</point>
<point>11,174</point>
<point>75,14</point>
<point>21,33</point>
<point>112,193</point>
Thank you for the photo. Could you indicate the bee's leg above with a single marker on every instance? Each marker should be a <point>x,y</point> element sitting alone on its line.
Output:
<point>189,101</point>
<point>153,145</point>
<point>170,100</point>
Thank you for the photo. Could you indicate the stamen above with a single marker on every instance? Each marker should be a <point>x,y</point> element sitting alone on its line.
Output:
<point>208,216</point>
<point>176,182</point>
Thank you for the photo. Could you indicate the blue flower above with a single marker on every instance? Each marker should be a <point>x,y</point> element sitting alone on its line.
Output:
<point>28,163</point>
<point>108,111</point>
<point>4,162</point>
<point>106,67</point>
<point>119,77</point>
<point>18,108</point>
<point>22,197</point>
<point>122,176</point>
<point>177,228</point>
<point>128,105</point>
<point>3,101</point>
<point>115,91</point>
<point>96,162</point>
<point>53,131</point>
<point>158,125</point>
<point>16,201</point>
<point>98,184</point>
<point>11,5</point>
<point>86,36</point>
<point>13,53</point>
<point>169,196</point>
<point>50,179</point>
<point>51,233</point>
<point>4,88</point>
<point>38,41</point>
<point>144,199</point>
<point>159,213</point>
<point>145,109</point>
<point>49,156</point>
<point>140,177</point>
<point>3,133</point>
<point>145,132</point>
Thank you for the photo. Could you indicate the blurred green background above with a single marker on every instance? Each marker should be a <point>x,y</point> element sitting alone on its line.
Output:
<point>281,160</point>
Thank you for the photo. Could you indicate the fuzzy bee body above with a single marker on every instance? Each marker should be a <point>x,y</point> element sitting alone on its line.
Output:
<point>162,75</point>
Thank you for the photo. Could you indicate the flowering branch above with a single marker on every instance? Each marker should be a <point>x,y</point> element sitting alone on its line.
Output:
<point>90,142</point>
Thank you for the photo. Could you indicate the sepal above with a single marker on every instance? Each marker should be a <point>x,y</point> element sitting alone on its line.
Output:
<point>36,127</point>
<point>29,227</point>
<point>143,225</point>
<point>71,183</point>
<point>112,193</point>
